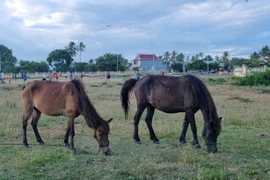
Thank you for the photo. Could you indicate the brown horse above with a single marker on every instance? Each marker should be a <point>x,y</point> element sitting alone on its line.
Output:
<point>171,95</point>
<point>62,99</point>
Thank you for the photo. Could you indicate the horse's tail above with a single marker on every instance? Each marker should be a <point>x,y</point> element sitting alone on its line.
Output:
<point>125,91</point>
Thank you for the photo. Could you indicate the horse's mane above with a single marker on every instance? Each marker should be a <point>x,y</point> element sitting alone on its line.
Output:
<point>207,102</point>
<point>90,114</point>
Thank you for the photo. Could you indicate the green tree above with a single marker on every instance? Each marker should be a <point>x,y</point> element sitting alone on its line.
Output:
<point>200,55</point>
<point>173,56</point>
<point>177,67</point>
<point>265,52</point>
<point>7,60</point>
<point>225,60</point>
<point>80,66</point>
<point>61,59</point>
<point>180,57</point>
<point>196,65</point>
<point>32,66</point>
<point>254,56</point>
<point>108,62</point>
<point>166,58</point>
<point>71,49</point>
<point>81,48</point>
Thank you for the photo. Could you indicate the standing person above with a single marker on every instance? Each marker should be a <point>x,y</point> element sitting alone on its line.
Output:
<point>9,79</point>
<point>1,77</point>
<point>51,76</point>
<point>24,77</point>
<point>81,75</point>
<point>56,76</point>
<point>70,75</point>
<point>108,76</point>
<point>125,78</point>
<point>15,77</point>
<point>66,76</point>
<point>43,76</point>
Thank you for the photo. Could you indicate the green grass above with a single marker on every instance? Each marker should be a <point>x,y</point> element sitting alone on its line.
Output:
<point>243,143</point>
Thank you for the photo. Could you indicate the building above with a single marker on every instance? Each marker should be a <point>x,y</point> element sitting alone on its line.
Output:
<point>148,62</point>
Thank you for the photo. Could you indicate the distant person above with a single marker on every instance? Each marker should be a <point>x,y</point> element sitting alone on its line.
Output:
<point>56,76</point>
<point>66,75</point>
<point>138,75</point>
<point>108,76</point>
<point>14,76</point>
<point>43,76</point>
<point>51,76</point>
<point>70,76</point>
<point>125,78</point>
<point>1,77</point>
<point>81,75</point>
<point>9,79</point>
<point>24,77</point>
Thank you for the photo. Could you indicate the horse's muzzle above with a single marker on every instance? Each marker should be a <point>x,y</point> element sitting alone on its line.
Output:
<point>212,148</point>
<point>106,150</point>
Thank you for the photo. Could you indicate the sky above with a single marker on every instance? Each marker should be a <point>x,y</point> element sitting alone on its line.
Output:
<point>34,28</point>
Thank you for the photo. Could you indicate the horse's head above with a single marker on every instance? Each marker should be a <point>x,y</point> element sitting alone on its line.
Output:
<point>101,134</point>
<point>210,134</point>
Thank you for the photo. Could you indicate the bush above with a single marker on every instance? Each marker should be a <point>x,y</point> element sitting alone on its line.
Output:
<point>254,79</point>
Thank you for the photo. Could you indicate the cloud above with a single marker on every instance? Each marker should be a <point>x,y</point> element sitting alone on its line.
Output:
<point>33,28</point>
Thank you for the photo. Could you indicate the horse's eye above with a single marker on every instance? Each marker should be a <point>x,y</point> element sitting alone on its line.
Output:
<point>100,134</point>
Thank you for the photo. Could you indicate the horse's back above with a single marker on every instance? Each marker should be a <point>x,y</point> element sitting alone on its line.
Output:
<point>51,98</point>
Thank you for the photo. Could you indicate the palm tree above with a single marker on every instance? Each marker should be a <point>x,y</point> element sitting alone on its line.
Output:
<point>201,55</point>
<point>217,58</point>
<point>180,57</point>
<point>254,56</point>
<point>265,51</point>
<point>80,48</point>
<point>71,49</point>
<point>173,56</point>
<point>166,58</point>
<point>225,59</point>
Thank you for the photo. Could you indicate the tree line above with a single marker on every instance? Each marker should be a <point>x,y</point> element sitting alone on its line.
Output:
<point>63,60</point>
<point>175,61</point>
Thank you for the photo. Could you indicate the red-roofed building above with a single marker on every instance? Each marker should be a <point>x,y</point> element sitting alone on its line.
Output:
<point>148,62</point>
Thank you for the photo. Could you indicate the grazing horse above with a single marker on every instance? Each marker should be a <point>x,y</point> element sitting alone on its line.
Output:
<point>171,95</point>
<point>62,99</point>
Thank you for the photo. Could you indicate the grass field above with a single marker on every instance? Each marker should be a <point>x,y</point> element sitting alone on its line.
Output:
<point>244,143</point>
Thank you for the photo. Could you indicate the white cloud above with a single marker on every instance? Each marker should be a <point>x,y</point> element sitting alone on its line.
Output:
<point>138,26</point>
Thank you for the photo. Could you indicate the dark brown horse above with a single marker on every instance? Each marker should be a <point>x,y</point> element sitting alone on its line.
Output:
<point>171,95</point>
<point>62,99</point>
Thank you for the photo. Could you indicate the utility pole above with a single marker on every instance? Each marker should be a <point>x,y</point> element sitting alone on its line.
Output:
<point>153,62</point>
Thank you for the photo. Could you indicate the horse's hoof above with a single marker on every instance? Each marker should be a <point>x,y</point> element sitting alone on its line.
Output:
<point>197,146</point>
<point>42,143</point>
<point>156,142</point>
<point>138,142</point>
<point>26,146</point>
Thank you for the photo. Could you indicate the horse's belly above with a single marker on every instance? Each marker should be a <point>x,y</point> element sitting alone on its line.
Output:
<point>170,110</point>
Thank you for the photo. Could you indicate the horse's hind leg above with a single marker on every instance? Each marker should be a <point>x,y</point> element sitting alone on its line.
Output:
<point>148,120</point>
<point>182,138</point>
<point>140,109</point>
<point>35,118</point>
<point>26,115</point>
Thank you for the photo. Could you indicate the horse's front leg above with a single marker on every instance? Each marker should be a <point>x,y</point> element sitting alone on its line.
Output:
<point>148,120</point>
<point>191,118</point>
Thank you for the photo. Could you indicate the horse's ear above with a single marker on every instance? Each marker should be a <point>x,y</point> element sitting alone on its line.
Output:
<point>110,120</point>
